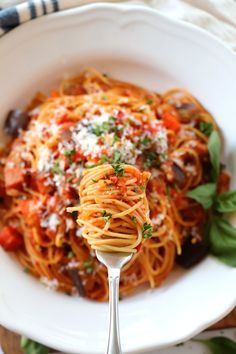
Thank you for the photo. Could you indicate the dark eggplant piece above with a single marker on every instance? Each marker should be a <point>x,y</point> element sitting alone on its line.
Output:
<point>75,277</point>
<point>186,106</point>
<point>179,175</point>
<point>192,253</point>
<point>15,121</point>
<point>186,111</point>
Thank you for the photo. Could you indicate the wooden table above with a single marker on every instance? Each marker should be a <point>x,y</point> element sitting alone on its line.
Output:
<point>10,341</point>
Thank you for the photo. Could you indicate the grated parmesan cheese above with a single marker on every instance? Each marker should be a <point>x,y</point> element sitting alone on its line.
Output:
<point>50,222</point>
<point>158,219</point>
<point>50,284</point>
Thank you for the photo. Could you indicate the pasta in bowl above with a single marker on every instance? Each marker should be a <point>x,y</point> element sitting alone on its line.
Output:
<point>93,120</point>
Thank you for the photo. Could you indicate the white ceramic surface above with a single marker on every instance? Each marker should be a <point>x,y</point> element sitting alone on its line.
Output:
<point>140,46</point>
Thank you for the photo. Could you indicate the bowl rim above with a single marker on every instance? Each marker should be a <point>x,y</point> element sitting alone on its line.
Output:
<point>142,10</point>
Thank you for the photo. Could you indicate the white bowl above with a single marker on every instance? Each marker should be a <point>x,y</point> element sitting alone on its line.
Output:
<point>141,46</point>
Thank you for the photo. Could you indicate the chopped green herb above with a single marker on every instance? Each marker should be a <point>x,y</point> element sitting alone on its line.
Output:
<point>144,140</point>
<point>115,139</point>
<point>56,169</point>
<point>206,128</point>
<point>147,230</point>
<point>149,102</point>
<point>151,159</point>
<point>142,188</point>
<point>116,157</point>
<point>70,254</point>
<point>105,127</point>
<point>94,180</point>
<point>70,179</point>
<point>26,270</point>
<point>104,158</point>
<point>133,218</point>
<point>106,216</point>
<point>88,266</point>
<point>119,169</point>
<point>68,153</point>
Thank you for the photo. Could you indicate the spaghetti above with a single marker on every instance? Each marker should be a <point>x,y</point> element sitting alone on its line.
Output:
<point>113,208</point>
<point>92,120</point>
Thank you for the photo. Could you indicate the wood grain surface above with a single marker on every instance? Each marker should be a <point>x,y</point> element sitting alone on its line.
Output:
<point>10,341</point>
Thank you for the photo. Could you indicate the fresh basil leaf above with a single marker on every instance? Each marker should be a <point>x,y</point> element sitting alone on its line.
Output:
<point>30,347</point>
<point>223,240</point>
<point>226,202</point>
<point>214,148</point>
<point>203,194</point>
<point>220,345</point>
<point>206,128</point>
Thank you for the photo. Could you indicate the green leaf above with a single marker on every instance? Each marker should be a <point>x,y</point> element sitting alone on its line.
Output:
<point>203,194</point>
<point>206,128</point>
<point>220,345</point>
<point>226,202</point>
<point>214,148</point>
<point>223,240</point>
<point>30,347</point>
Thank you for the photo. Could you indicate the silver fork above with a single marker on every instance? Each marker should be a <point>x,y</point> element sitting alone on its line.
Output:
<point>114,262</point>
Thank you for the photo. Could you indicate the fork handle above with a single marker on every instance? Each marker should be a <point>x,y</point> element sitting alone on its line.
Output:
<point>114,331</point>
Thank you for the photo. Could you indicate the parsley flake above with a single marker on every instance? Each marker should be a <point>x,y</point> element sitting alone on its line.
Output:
<point>119,169</point>
<point>56,169</point>
<point>88,266</point>
<point>106,216</point>
<point>147,230</point>
<point>133,218</point>
<point>116,157</point>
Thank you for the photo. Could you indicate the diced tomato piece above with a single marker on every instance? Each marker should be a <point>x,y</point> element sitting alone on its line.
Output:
<point>171,122</point>
<point>223,182</point>
<point>114,179</point>
<point>28,210</point>
<point>24,206</point>
<point>10,239</point>
<point>120,114</point>
<point>63,119</point>
<point>55,93</point>
<point>41,187</point>
<point>14,178</point>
